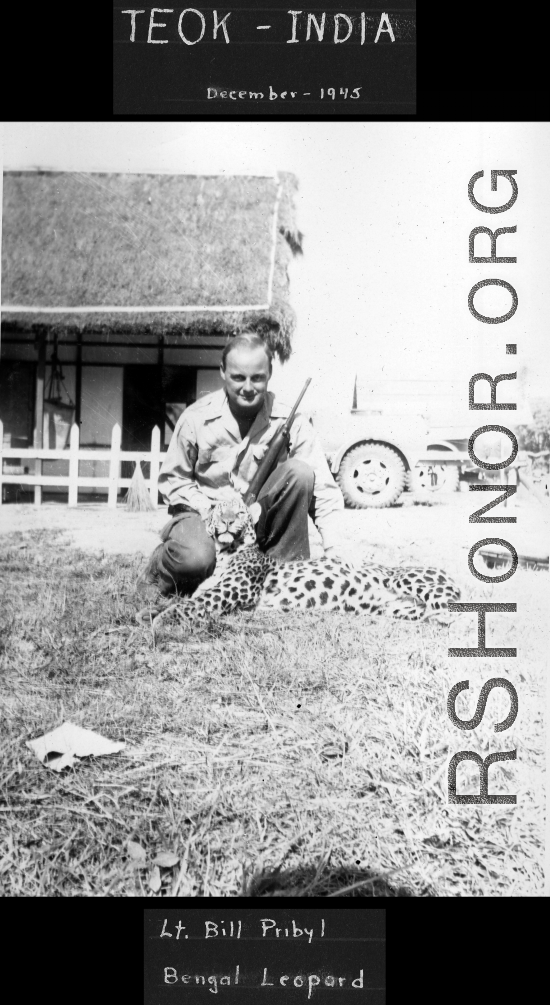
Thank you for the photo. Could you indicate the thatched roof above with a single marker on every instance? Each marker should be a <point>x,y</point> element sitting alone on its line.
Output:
<point>147,241</point>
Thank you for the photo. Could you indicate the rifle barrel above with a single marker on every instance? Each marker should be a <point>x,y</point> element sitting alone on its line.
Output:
<point>270,460</point>
<point>300,396</point>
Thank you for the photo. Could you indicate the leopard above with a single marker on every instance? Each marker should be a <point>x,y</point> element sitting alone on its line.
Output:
<point>248,579</point>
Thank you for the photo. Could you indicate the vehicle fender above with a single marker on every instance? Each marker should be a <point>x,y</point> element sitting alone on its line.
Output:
<point>438,451</point>
<point>443,445</point>
<point>336,459</point>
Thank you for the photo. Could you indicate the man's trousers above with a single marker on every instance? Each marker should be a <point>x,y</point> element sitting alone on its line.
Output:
<point>187,555</point>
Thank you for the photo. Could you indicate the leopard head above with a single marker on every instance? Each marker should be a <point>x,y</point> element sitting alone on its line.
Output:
<point>231,525</point>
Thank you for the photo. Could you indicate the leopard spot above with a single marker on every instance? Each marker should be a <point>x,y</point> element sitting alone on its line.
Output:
<point>310,584</point>
<point>323,597</point>
<point>344,586</point>
<point>352,592</point>
<point>328,582</point>
<point>310,602</point>
<point>292,589</point>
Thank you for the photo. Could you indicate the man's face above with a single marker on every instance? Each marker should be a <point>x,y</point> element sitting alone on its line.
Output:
<point>246,375</point>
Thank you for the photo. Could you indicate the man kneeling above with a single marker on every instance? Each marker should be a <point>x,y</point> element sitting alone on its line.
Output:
<point>218,443</point>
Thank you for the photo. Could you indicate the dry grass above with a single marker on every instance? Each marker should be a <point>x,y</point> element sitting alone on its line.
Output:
<point>279,755</point>
<point>130,239</point>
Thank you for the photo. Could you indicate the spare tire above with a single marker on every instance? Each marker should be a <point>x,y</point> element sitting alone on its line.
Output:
<point>371,475</point>
<point>427,480</point>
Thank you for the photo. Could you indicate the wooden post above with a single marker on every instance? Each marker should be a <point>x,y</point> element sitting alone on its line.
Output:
<point>73,465</point>
<point>155,465</point>
<point>1,458</point>
<point>78,382</point>
<point>115,463</point>
<point>39,412</point>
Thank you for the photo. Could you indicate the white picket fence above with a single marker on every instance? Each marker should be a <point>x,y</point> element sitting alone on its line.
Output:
<point>74,454</point>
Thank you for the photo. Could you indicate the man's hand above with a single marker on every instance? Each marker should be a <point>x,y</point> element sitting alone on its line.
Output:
<point>255,511</point>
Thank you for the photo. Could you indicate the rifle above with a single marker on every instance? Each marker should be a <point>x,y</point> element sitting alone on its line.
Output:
<point>280,440</point>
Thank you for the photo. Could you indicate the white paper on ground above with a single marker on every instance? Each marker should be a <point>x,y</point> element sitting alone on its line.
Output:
<point>70,741</point>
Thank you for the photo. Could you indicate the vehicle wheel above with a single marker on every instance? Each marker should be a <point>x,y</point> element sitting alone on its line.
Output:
<point>371,475</point>
<point>427,480</point>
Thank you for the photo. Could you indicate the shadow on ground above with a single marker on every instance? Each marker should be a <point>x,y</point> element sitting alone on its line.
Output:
<point>308,881</point>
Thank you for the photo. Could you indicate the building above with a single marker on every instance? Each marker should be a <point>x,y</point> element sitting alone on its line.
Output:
<point>137,281</point>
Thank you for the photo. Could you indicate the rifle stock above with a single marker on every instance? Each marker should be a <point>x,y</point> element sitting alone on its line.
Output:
<point>269,462</point>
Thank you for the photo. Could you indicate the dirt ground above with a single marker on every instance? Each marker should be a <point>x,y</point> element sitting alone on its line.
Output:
<point>437,533</point>
<point>91,527</point>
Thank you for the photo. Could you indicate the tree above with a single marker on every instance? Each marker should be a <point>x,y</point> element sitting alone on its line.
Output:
<point>536,436</point>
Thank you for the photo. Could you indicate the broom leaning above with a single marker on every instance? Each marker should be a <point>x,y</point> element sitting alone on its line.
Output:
<point>138,498</point>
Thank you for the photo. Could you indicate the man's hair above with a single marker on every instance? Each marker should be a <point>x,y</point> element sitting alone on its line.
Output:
<point>248,340</point>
